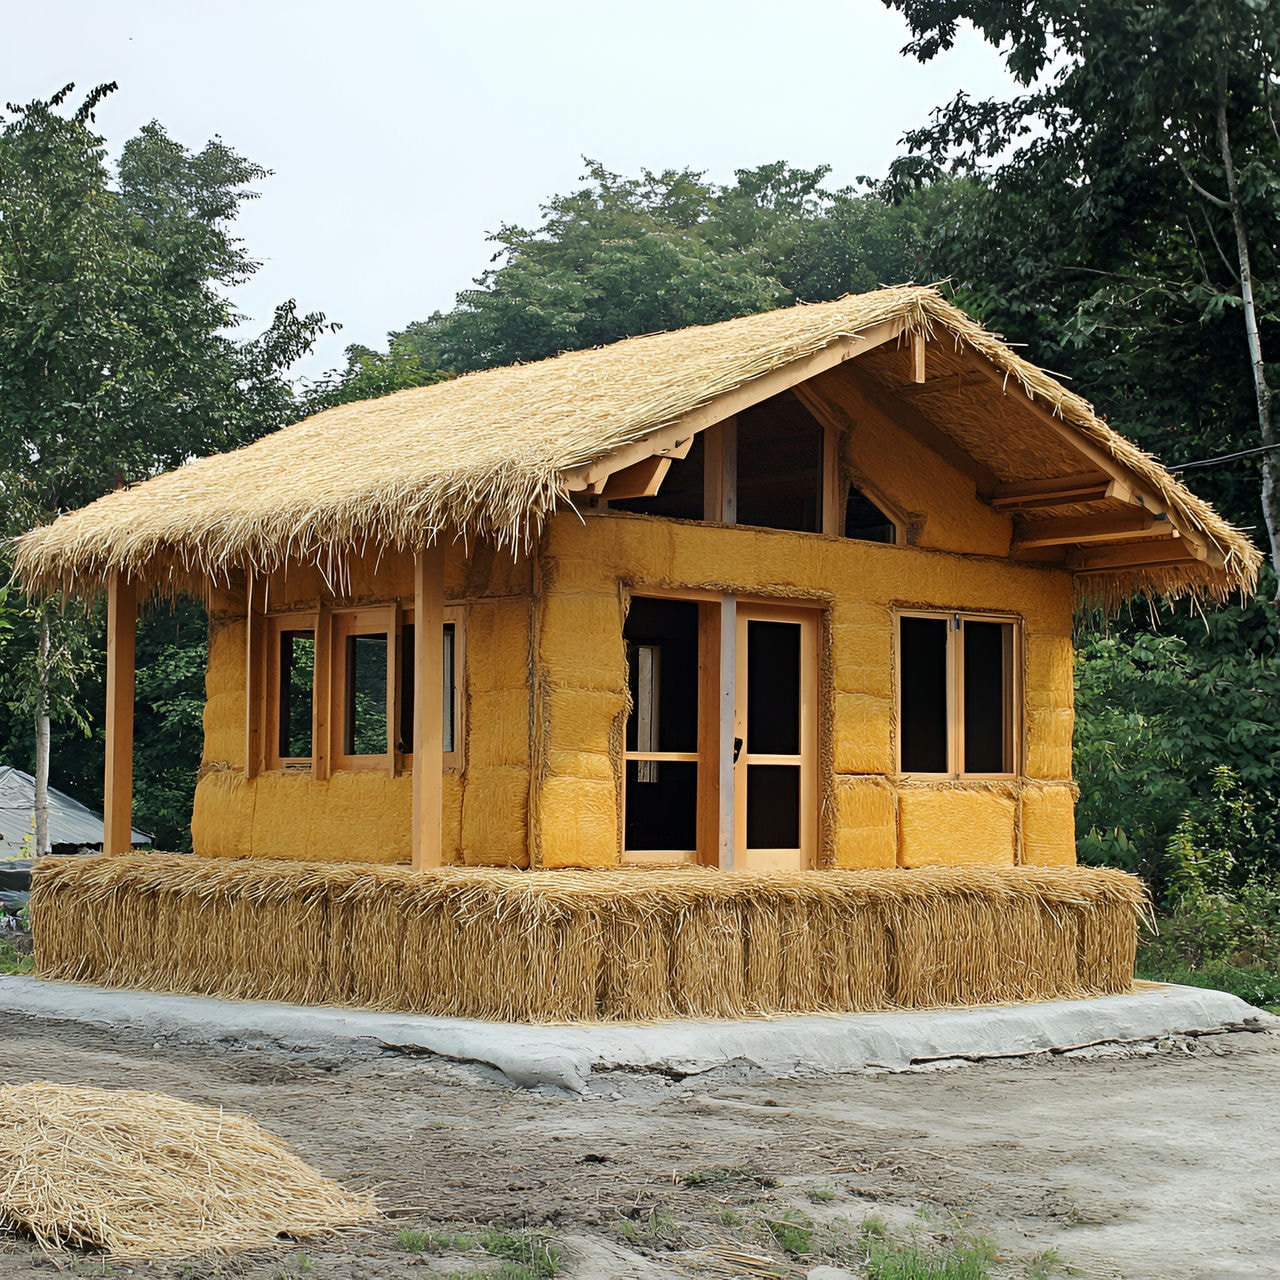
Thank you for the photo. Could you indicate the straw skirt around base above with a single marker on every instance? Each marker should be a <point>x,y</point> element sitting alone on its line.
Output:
<point>614,946</point>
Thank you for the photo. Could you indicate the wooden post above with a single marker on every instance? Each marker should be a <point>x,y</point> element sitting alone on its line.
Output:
<point>428,705</point>
<point>122,626</point>
<point>727,713</point>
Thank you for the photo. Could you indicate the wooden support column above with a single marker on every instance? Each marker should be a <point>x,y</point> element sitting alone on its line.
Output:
<point>728,710</point>
<point>428,706</point>
<point>117,803</point>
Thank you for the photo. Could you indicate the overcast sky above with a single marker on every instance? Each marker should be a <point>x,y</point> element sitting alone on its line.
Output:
<point>399,132</point>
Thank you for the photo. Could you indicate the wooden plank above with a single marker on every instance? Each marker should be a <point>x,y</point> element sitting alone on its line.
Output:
<point>1090,486</point>
<point>709,732</point>
<point>1135,555</point>
<point>117,803</point>
<point>322,695</point>
<point>680,433</point>
<point>640,480</point>
<point>1072,530</point>
<point>428,706</point>
<point>727,704</point>
<point>917,359</point>
<point>834,490</point>
<point>256,702</point>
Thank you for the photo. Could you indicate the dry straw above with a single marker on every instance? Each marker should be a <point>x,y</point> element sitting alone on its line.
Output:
<point>488,454</point>
<point>143,1175</point>
<point>552,946</point>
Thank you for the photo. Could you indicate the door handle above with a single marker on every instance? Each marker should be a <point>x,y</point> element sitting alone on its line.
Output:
<point>737,749</point>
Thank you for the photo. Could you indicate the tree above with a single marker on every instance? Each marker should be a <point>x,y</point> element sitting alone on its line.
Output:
<point>1128,228</point>
<point>623,256</point>
<point>116,354</point>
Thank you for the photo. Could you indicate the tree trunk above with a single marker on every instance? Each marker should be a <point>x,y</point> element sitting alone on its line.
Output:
<point>1262,389</point>
<point>42,737</point>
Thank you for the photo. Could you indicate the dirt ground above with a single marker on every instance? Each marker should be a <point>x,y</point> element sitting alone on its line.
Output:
<point>1150,1161</point>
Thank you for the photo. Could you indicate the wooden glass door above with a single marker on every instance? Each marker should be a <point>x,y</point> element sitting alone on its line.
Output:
<point>775,738</point>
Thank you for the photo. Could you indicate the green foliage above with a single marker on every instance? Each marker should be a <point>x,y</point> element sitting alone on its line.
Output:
<point>793,1230</point>
<point>15,959</point>
<point>524,1255</point>
<point>368,375</point>
<point>117,360</point>
<point>955,1257</point>
<point>1156,711</point>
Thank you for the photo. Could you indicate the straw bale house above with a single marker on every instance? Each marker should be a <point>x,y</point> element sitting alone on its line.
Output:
<point>790,592</point>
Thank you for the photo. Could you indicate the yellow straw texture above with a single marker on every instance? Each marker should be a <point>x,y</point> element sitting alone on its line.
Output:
<point>144,1175</point>
<point>615,945</point>
<point>488,455</point>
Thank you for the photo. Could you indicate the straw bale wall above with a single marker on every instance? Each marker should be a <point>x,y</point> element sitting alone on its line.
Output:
<point>366,816</point>
<point>873,818</point>
<point>620,945</point>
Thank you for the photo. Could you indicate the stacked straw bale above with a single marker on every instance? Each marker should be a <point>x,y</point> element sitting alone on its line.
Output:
<point>616,945</point>
<point>143,1175</point>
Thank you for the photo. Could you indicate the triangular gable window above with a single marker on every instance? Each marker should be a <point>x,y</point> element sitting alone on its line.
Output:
<point>772,467</point>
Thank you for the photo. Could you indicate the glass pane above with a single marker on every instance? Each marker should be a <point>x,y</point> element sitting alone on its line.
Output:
<point>780,466</point>
<point>448,687</point>
<point>987,650</point>
<point>662,813</point>
<point>407,688</point>
<point>662,673</point>
<point>297,677</point>
<point>922,678</point>
<point>681,495</point>
<point>365,722</point>
<point>865,521</point>
<point>773,688</point>
<point>773,806</point>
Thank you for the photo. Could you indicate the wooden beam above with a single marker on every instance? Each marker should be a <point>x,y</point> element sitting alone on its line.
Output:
<point>727,708</point>
<point>1090,486</point>
<point>679,434</point>
<point>917,358</point>
<point>1135,555</point>
<point>428,706</point>
<point>640,480</point>
<point>117,802</point>
<point>1073,530</point>
<point>255,677</point>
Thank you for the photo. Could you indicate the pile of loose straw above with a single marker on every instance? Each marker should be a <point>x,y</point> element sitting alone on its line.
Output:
<point>142,1175</point>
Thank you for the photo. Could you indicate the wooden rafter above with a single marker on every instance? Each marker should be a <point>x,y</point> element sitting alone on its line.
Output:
<point>1135,555</point>
<point>1090,486</point>
<point>1075,530</point>
<point>641,479</point>
<point>675,439</point>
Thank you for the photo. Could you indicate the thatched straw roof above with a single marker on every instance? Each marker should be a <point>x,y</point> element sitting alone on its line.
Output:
<point>493,454</point>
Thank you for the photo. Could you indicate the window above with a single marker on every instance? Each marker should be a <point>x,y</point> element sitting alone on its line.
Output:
<point>773,466</point>
<point>347,675</point>
<point>957,694</point>
<point>291,659</point>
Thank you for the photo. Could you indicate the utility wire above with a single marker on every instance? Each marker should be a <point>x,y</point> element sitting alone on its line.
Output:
<point>1226,457</point>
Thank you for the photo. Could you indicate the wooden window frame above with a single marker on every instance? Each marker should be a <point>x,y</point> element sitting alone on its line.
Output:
<point>1015,710</point>
<point>275,626</point>
<point>455,616</point>
<point>331,628</point>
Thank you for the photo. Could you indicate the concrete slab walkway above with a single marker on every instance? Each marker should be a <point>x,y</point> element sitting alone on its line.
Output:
<point>565,1055</point>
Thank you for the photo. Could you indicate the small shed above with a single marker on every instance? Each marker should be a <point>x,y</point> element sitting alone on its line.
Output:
<point>788,594</point>
<point>72,825</point>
